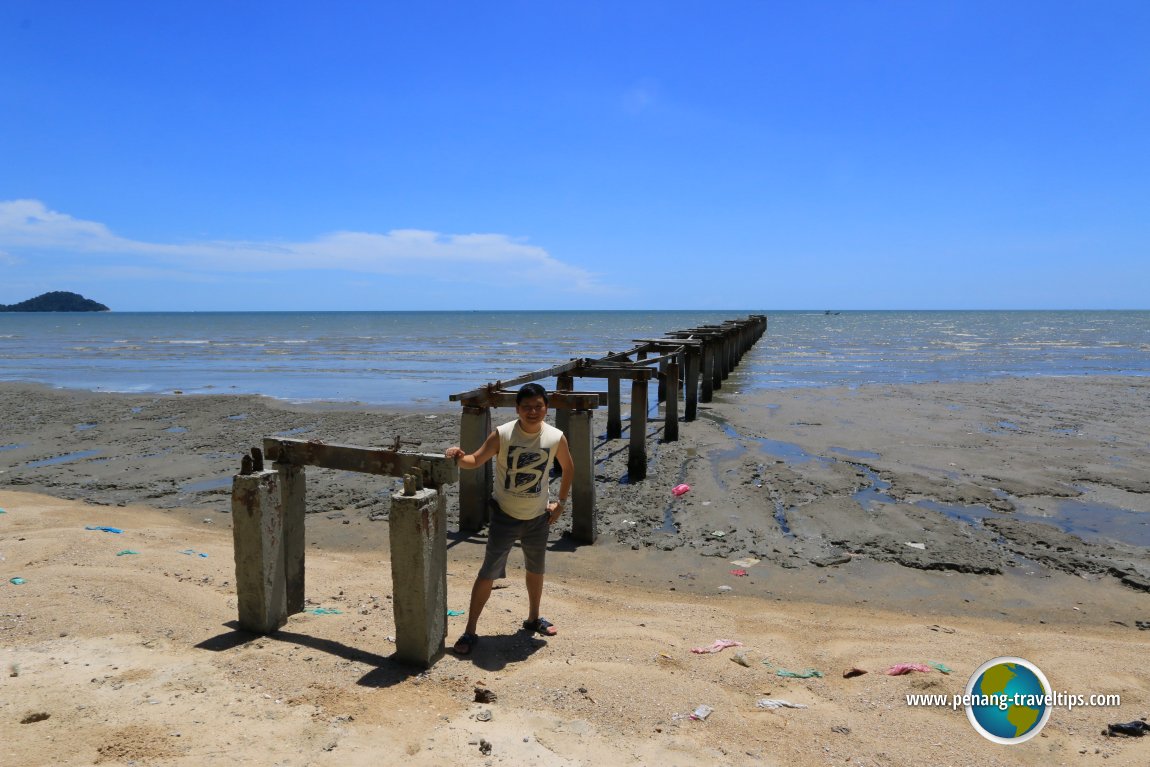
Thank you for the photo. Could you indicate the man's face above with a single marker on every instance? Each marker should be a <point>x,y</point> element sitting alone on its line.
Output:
<point>531,411</point>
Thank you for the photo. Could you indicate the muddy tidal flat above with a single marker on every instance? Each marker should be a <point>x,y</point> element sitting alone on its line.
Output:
<point>1015,475</point>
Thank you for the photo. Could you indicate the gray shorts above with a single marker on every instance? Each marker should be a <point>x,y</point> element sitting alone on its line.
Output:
<point>503,531</point>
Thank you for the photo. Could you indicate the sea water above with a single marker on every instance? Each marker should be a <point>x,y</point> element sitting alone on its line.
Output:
<point>418,359</point>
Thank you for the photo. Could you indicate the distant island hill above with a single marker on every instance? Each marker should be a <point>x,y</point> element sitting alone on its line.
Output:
<point>56,301</point>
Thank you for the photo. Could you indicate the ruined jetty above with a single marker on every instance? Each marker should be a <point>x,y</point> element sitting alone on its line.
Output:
<point>691,364</point>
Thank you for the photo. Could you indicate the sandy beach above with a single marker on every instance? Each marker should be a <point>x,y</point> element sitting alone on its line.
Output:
<point>945,523</point>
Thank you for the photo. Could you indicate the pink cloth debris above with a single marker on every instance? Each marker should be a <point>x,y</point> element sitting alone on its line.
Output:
<point>740,572</point>
<point>899,669</point>
<point>716,646</point>
<point>680,490</point>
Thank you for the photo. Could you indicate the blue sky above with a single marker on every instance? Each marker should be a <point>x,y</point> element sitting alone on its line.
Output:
<point>457,155</point>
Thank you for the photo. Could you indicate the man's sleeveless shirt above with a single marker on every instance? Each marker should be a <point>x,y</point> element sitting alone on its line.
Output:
<point>522,468</point>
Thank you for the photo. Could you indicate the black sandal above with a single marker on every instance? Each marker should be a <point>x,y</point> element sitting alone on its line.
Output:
<point>540,626</point>
<point>465,644</point>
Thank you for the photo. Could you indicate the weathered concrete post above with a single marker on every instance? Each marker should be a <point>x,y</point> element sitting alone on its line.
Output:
<point>474,486</point>
<point>671,416</point>
<point>717,374</point>
<point>614,414</point>
<point>708,392</point>
<point>563,415</point>
<point>662,381</point>
<point>580,439</point>
<point>637,449</point>
<point>293,494</point>
<point>258,536</point>
<point>418,526</point>
<point>691,387</point>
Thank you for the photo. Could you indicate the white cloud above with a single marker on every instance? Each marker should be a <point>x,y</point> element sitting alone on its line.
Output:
<point>488,258</point>
<point>29,222</point>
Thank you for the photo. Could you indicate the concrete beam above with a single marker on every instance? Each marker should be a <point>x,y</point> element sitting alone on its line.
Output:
<point>556,400</point>
<point>617,372</point>
<point>388,463</point>
<point>537,375</point>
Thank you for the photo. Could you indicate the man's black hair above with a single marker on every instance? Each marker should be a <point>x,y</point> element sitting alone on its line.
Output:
<point>529,391</point>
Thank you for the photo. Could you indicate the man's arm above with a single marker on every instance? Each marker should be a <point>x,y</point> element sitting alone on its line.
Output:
<point>481,456</point>
<point>563,455</point>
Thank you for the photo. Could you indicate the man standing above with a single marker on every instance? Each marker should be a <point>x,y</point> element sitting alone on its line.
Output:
<point>524,449</point>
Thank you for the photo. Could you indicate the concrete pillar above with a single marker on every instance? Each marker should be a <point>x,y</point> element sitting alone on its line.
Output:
<point>257,535</point>
<point>563,382</point>
<point>708,372</point>
<point>614,416</point>
<point>717,351</point>
<point>671,416</point>
<point>563,415</point>
<point>293,494</point>
<point>691,385</point>
<point>580,439</point>
<point>418,528</point>
<point>637,452</point>
<point>474,485</point>
<point>662,381</point>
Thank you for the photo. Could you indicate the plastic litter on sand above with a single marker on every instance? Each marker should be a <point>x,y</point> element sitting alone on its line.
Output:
<point>717,646</point>
<point>680,490</point>
<point>899,669</point>
<point>777,703</point>
<point>701,713</point>
<point>104,529</point>
<point>809,673</point>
